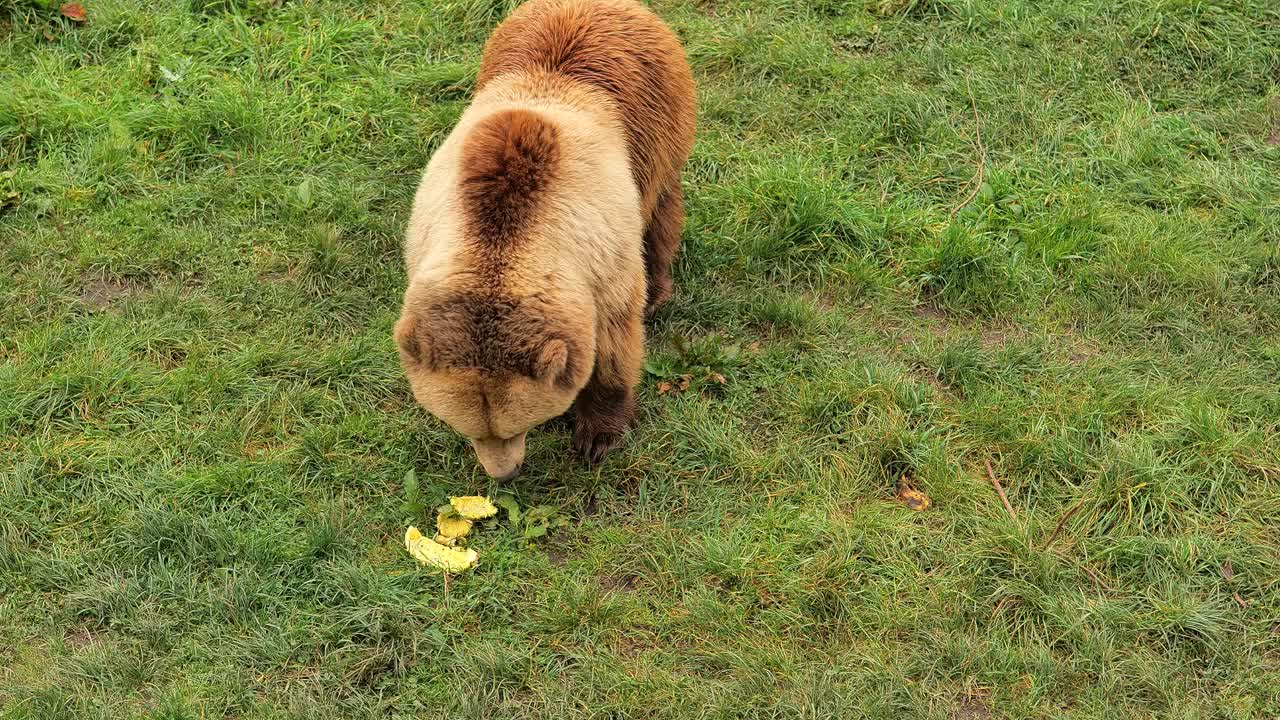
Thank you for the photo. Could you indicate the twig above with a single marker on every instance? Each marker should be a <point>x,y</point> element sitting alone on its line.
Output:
<point>1244,604</point>
<point>1094,576</point>
<point>1062,522</point>
<point>982,154</point>
<point>1000,605</point>
<point>1000,489</point>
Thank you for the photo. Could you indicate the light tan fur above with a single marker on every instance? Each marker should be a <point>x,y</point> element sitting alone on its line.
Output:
<point>581,257</point>
<point>545,228</point>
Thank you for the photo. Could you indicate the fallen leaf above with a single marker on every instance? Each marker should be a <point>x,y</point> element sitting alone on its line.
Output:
<point>412,504</point>
<point>473,507</point>
<point>912,498</point>
<point>1244,604</point>
<point>303,191</point>
<point>73,12</point>
<point>717,378</point>
<point>679,385</point>
<point>540,520</point>
<point>430,552</point>
<point>1228,572</point>
<point>508,502</point>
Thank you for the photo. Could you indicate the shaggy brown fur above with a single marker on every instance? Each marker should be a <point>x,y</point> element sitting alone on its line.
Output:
<point>493,333</point>
<point>620,48</point>
<point>545,227</point>
<point>508,162</point>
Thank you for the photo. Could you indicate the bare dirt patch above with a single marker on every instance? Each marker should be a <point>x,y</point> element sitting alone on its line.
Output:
<point>629,647</point>
<point>972,708</point>
<point>557,555</point>
<point>81,639</point>
<point>935,320</point>
<point>618,583</point>
<point>102,293</point>
<point>995,338</point>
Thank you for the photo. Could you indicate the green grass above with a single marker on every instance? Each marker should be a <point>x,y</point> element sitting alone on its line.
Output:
<point>204,430</point>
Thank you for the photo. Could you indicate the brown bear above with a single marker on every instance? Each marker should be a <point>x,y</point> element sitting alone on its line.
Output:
<point>545,226</point>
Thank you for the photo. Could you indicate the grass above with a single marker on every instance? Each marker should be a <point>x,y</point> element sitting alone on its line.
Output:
<point>204,431</point>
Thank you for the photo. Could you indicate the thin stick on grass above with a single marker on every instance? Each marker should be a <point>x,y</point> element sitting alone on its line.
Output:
<point>1094,576</point>
<point>1054,535</point>
<point>982,154</point>
<point>1000,489</point>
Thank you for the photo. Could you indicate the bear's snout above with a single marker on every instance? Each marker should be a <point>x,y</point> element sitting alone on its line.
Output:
<point>502,459</point>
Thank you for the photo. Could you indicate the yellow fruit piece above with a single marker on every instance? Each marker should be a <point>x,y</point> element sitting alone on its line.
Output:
<point>473,507</point>
<point>452,526</point>
<point>430,552</point>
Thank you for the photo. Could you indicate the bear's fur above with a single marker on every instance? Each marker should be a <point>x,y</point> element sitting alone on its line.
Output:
<point>545,226</point>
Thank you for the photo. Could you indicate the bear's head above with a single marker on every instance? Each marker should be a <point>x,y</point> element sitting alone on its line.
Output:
<point>492,366</point>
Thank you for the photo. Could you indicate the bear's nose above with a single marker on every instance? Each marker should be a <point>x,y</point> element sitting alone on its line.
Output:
<point>515,473</point>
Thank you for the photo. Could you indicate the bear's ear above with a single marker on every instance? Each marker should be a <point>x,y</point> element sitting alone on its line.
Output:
<point>552,363</point>
<point>413,339</point>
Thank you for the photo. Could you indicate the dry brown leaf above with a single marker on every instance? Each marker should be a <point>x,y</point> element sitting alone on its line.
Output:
<point>1228,572</point>
<point>912,498</point>
<point>73,12</point>
<point>717,378</point>
<point>680,385</point>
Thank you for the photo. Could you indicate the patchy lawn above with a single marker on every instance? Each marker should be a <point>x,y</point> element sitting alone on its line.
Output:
<point>923,235</point>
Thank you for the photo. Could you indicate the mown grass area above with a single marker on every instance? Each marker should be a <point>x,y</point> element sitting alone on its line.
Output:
<point>204,429</point>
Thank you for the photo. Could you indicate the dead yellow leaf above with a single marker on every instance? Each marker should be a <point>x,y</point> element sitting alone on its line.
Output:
<point>678,386</point>
<point>73,11</point>
<point>912,498</point>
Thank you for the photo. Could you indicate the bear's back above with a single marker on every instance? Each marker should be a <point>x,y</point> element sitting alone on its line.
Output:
<point>622,49</point>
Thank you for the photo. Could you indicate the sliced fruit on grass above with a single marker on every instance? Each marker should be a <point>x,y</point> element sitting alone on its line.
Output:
<point>473,507</point>
<point>451,525</point>
<point>430,552</point>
